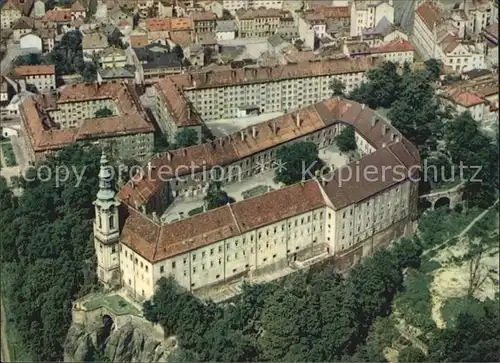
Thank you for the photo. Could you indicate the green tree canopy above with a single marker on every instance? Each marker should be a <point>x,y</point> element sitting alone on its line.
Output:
<point>103,112</point>
<point>186,137</point>
<point>346,140</point>
<point>382,87</point>
<point>48,251</point>
<point>337,87</point>
<point>216,197</point>
<point>294,160</point>
<point>433,67</point>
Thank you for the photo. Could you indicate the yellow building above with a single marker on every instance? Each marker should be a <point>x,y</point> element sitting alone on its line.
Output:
<point>113,58</point>
<point>344,215</point>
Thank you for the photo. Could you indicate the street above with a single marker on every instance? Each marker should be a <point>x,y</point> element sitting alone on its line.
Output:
<point>13,51</point>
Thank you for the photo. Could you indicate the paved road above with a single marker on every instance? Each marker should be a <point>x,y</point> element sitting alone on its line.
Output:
<point>13,51</point>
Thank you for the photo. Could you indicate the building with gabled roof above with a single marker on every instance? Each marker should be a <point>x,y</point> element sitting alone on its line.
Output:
<point>53,122</point>
<point>334,216</point>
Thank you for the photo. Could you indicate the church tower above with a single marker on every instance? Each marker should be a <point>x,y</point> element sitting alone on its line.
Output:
<point>106,228</point>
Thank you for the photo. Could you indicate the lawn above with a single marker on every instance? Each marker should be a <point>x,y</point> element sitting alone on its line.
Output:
<point>258,190</point>
<point>8,154</point>
<point>115,303</point>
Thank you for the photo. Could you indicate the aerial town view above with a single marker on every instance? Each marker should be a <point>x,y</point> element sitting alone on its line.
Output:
<point>249,181</point>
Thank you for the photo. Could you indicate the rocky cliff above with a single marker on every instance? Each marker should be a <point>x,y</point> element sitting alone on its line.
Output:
<point>131,341</point>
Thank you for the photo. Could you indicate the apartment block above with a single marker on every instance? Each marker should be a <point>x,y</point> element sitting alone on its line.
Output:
<point>184,100</point>
<point>204,21</point>
<point>366,14</point>
<point>262,23</point>
<point>441,36</point>
<point>43,77</point>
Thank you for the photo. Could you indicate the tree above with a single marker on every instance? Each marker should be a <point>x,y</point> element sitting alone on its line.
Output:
<point>346,140</point>
<point>337,87</point>
<point>433,68</point>
<point>416,112</point>
<point>296,162</point>
<point>103,112</point>
<point>89,73</point>
<point>50,259</point>
<point>216,197</point>
<point>178,51</point>
<point>473,339</point>
<point>411,355</point>
<point>186,137</point>
<point>31,59</point>
<point>382,88</point>
<point>469,147</point>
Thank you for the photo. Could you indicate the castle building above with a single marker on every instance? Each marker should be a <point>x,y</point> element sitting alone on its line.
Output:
<point>343,215</point>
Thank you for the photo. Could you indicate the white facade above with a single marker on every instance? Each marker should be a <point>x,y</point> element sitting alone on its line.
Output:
<point>366,14</point>
<point>399,57</point>
<point>42,82</point>
<point>32,42</point>
<point>225,35</point>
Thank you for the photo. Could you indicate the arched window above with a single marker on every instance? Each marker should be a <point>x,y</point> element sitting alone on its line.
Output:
<point>111,222</point>
<point>99,220</point>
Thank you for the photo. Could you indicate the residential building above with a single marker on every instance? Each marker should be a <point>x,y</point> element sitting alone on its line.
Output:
<point>165,8</point>
<point>261,23</point>
<point>204,21</point>
<point>78,11</point>
<point>225,30</point>
<point>366,14</point>
<point>113,57</point>
<point>38,9</point>
<point>279,231</point>
<point>214,6</point>
<point>117,74</point>
<point>23,26</point>
<point>58,17</point>
<point>440,37</point>
<point>490,35</point>
<point>329,20</point>
<point>156,60</point>
<point>184,99</point>
<point>12,10</point>
<point>93,44</point>
<point>477,93</point>
<point>43,77</point>
<point>50,124</point>
<point>397,51</point>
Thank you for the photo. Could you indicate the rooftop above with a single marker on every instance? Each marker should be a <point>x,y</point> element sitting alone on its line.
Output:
<point>43,69</point>
<point>258,138</point>
<point>95,40</point>
<point>43,137</point>
<point>397,45</point>
<point>156,242</point>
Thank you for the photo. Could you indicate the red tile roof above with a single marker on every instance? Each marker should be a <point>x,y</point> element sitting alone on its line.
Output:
<point>429,13</point>
<point>397,45</point>
<point>42,69</point>
<point>272,133</point>
<point>132,118</point>
<point>156,242</point>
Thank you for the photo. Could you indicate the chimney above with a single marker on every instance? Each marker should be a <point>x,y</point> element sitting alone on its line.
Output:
<point>184,151</point>
<point>254,132</point>
<point>169,156</point>
<point>393,136</point>
<point>363,106</point>
<point>384,144</point>
<point>221,142</point>
<point>254,71</point>
<point>373,121</point>
<point>297,119</point>
<point>233,74</point>
<point>190,78</point>
<point>242,134</point>
<point>155,217</point>
<point>188,111</point>
<point>384,129</point>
